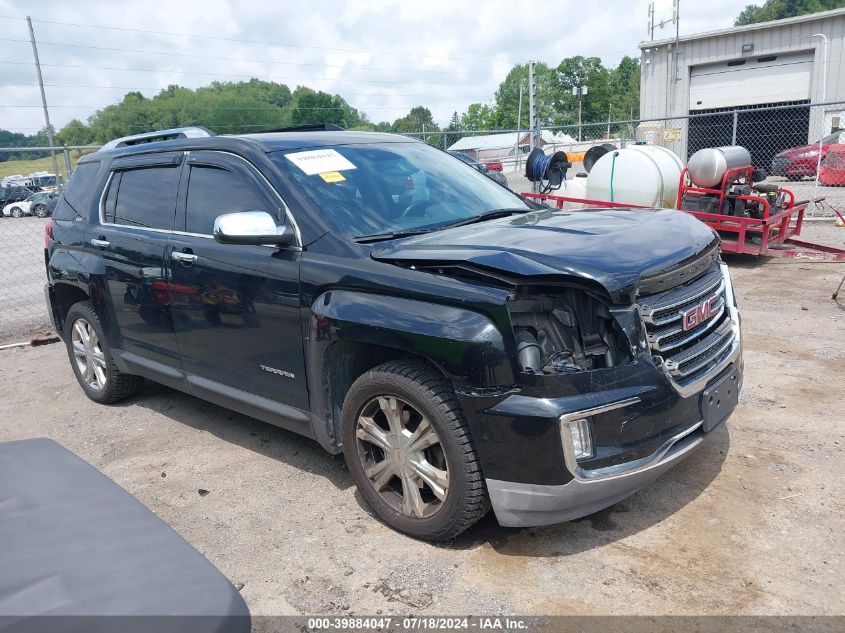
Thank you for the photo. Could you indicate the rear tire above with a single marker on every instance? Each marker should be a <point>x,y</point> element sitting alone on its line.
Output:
<point>91,358</point>
<point>40,210</point>
<point>410,453</point>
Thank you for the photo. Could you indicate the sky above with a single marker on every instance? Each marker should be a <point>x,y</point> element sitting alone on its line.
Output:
<point>383,57</point>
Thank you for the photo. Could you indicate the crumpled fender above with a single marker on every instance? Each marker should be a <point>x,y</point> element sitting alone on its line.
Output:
<point>465,344</point>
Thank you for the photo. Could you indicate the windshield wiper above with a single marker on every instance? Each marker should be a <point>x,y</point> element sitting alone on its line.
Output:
<point>380,237</point>
<point>489,215</point>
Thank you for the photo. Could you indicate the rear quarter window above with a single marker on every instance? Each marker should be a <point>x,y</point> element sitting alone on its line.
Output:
<point>77,191</point>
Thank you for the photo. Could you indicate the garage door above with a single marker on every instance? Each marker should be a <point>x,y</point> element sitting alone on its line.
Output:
<point>751,81</point>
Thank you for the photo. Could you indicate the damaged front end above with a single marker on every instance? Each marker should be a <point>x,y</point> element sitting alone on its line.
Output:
<point>569,330</point>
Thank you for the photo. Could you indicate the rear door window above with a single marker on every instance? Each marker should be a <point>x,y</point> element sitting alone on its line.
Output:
<point>146,197</point>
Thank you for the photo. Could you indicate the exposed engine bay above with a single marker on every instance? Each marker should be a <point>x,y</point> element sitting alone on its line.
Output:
<point>566,331</point>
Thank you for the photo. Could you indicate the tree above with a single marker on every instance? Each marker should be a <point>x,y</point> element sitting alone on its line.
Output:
<point>479,117</point>
<point>75,132</point>
<point>625,89</point>
<point>507,97</point>
<point>419,119</point>
<point>575,73</point>
<point>780,9</point>
<point>321,107</point>
<point>452,134</point>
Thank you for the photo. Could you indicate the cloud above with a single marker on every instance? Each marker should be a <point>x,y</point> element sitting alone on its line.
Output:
<point>382,57</point>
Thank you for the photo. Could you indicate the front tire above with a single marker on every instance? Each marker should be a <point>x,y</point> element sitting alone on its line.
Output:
<point>92,360</point>
<point>410,453</point>
<point>16,212</point>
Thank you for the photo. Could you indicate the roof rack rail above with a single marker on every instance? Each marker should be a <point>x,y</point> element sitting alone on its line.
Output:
<point>160,135</point>
<point>308,127</point>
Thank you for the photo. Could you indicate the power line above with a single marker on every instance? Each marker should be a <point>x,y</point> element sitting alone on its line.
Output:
<point>204,108</point>
<point>256,42</point>
<point>193,72</point>
<point>230,59</point>
<point>361,94</point>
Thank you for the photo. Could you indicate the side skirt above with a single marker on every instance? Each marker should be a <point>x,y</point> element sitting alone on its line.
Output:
<point>259,407</point>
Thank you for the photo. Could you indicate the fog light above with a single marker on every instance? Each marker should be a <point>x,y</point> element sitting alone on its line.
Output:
<point>582,439</point>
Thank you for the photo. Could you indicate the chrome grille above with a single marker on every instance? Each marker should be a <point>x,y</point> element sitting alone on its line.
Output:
<point>690,357</point>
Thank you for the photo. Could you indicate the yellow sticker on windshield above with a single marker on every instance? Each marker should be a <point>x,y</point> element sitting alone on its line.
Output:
<point>332,176</point>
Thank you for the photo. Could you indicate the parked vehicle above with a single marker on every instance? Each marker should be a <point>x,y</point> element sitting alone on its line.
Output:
<point>40,204</point>
<point>11,195</point>
<point>798,162</point>
<point>461,346</point>
<point>45,180</point>
<point>495,165</point>
<point>496,176</point>
<point>832,168</point>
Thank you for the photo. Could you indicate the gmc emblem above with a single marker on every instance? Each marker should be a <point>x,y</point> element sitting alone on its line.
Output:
<point>700,313</point>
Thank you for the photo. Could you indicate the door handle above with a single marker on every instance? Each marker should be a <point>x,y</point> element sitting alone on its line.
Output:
<point>100,243</point>
<point>183,258</point>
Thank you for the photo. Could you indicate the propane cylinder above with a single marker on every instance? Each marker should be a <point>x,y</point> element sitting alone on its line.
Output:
<point>707,167</point>
<point>644,175</point>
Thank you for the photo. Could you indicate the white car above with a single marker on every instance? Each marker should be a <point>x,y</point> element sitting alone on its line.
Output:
<point>39,204</point>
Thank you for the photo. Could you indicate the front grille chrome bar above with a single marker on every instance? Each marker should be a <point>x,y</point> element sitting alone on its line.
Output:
<point>690,359</point>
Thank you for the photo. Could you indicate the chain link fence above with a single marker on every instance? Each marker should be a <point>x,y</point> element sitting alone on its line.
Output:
<point>789,142</point>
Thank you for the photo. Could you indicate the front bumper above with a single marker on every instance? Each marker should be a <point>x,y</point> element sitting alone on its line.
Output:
<point>523,505</point>
<point>643,422</point>
<point>793,167</point>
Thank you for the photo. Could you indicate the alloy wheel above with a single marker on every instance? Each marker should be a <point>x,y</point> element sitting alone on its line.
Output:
<point>88,354</point>
<point>402,456</point>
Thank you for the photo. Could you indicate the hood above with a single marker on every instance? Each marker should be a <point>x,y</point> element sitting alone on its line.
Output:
<point>612,247</point>
<point>794,152</point>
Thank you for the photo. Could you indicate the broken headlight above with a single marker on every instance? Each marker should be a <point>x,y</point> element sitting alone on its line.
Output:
<point>564,332</point>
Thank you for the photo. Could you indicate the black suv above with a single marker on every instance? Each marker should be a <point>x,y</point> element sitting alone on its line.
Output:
<point>462,347</point>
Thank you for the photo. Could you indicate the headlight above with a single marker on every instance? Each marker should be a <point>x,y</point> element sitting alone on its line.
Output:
<point>808,154</point>
<point>566,331</point>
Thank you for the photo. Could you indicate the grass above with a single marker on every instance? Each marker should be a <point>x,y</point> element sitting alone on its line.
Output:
<point>24,167</point>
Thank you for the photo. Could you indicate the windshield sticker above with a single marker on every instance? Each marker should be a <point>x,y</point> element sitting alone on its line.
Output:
<point>332,176</point>
<point>319,161</point>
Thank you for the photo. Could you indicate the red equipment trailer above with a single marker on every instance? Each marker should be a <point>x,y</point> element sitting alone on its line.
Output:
<point>773,234</point>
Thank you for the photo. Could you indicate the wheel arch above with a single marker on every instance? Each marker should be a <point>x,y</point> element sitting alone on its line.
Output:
<point>65,296</point>
<point>351,332</point>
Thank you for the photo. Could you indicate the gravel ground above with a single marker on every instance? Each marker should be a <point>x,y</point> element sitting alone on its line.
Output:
<point>752,523</point>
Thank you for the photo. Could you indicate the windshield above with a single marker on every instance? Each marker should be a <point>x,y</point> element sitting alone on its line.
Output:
<point>831,139</point>
<point>385,188</point>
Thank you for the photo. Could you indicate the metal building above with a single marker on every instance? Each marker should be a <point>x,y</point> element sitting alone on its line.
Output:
<point>736,75</point>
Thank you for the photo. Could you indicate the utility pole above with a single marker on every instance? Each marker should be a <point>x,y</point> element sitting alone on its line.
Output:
<point>579,91</point>
<point>664,22</point>
<point>43,99</point>
<point>676,18</point>
<point>534,118</point>
<point>824,99</point>
<point>651,21</point>
<point>518,128</point>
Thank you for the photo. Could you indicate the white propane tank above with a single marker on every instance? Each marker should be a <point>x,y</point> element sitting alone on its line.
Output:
<point>575,188</point>
<point>646,175</point>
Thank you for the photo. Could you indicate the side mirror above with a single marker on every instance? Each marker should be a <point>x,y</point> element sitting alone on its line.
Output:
<point>250,227</point>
